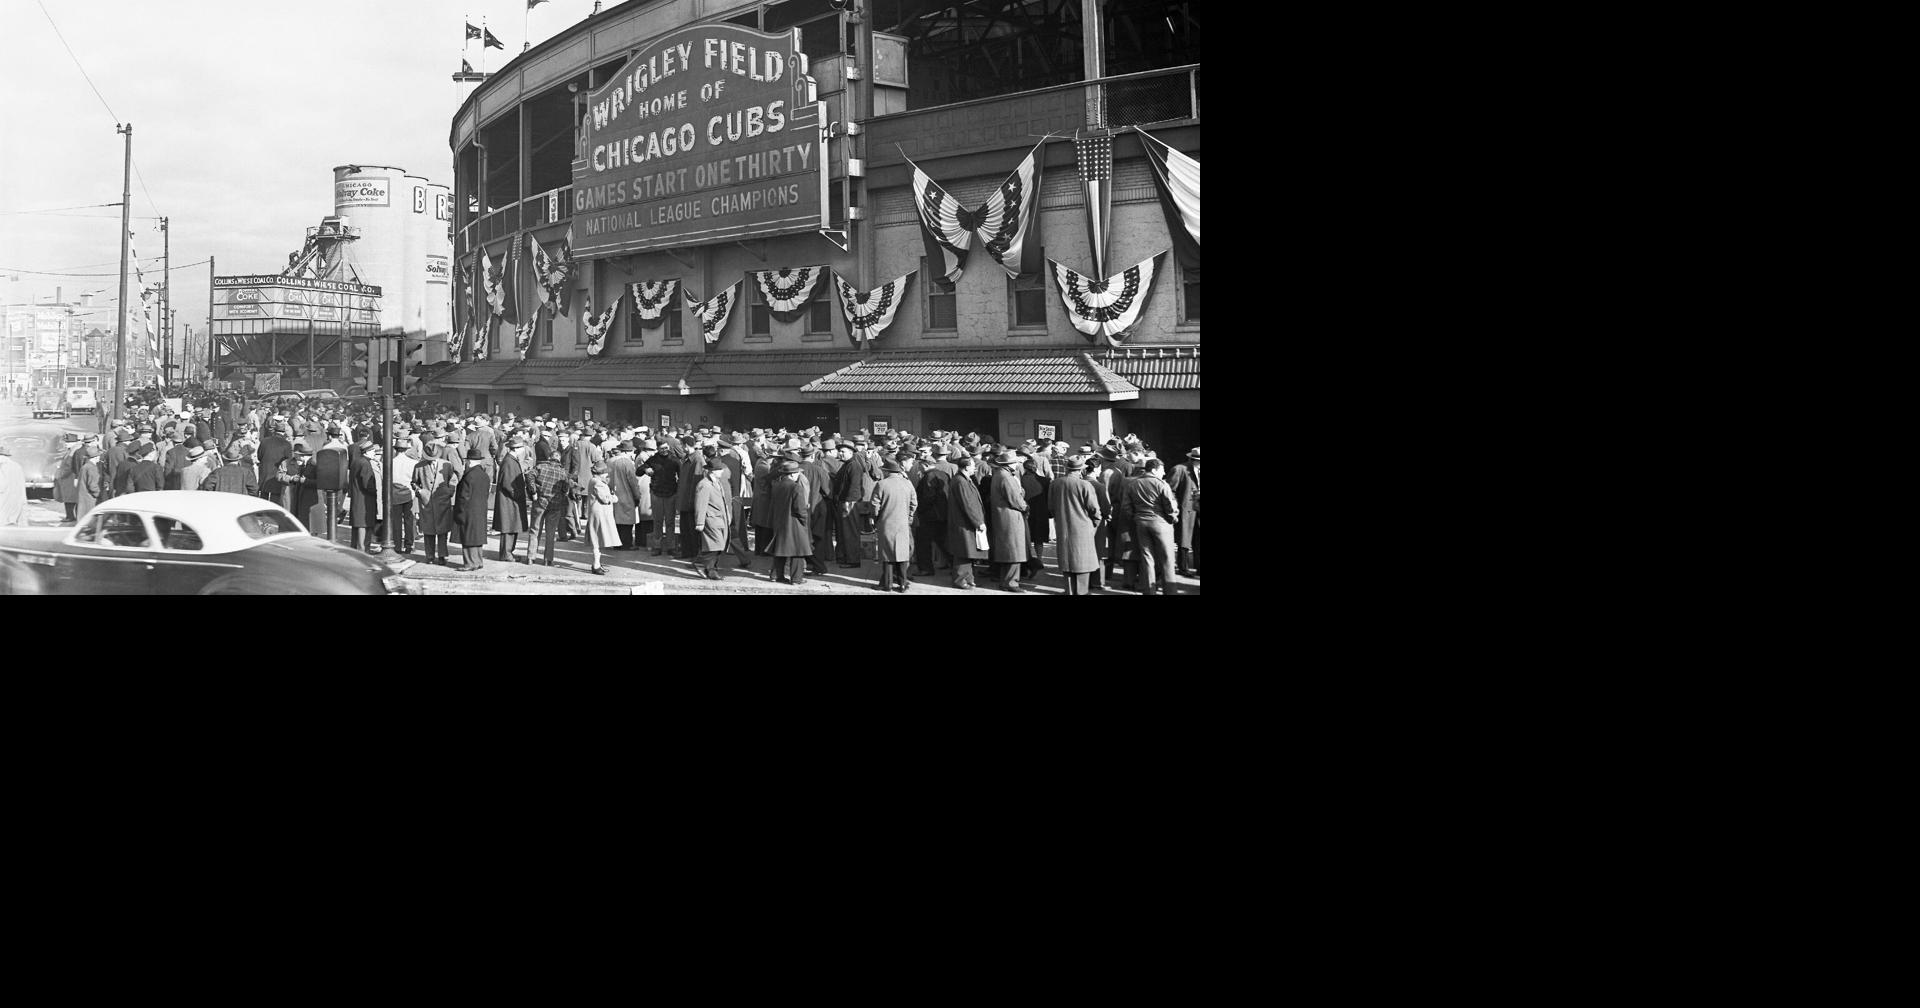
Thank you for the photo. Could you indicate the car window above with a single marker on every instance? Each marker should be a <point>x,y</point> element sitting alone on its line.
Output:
<point>121,528</point>
<point>266,524</point>
<point>90,532</point>
<point>176,535</point>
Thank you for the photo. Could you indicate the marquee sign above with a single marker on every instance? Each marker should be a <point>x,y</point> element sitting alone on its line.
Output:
<point>273,298</point>
<point>713,133</point>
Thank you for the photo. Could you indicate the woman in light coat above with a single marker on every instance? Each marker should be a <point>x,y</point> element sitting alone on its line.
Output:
<point>602,530</point>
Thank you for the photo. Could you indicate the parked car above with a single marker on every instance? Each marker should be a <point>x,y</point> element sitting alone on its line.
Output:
<point>181,542</point>
<point>36,448</point>
<point>49,402</point>
<point>80,399</point>
<point>320,393</point>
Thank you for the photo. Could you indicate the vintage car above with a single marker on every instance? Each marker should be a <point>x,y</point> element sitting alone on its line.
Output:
<point>80,399</point>
<point>186,542</point>
<point>36,448</point>
<point>49,402</point>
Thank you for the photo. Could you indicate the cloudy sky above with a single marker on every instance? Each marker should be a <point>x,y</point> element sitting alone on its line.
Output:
<point>240,111</point>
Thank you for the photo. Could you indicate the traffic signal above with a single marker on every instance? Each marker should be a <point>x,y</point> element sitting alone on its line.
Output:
<point>415,356</point>
<point>354,356</point>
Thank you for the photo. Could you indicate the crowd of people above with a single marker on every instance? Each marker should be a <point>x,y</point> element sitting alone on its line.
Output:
<point>952,502</point>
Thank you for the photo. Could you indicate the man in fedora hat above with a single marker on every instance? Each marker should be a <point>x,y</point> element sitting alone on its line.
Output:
<point>712,510</point>
<point>791,521</point>
<point>290,484</point>
<point>93,482</point>
<point>1185,484</point>
<point>235,476</point>
<point>1120,561</point>
<point>1076,513</point>
<point>330,480</point>
<point>363,492</point>
<point>470,510</point>
<point>1006,504</point>
<point>820,517</point>
<point>511,514</point>
<point>66,473</point>
<point>199,467</point>
<point>895,503</point>
<point>141,474</point>
<point>966,519</point>
<point>275,447</point>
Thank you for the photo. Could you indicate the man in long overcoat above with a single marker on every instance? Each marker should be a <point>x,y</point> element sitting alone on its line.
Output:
<point>1036,475</point>
<point>510,506</point>
<point>895,503</point>
<point>692,471</point>
<point>274,449</point>
<point>1076,513</point>
<point>93,481</point>
<point>930,535</point>
<point>819,508</point>
<point>762,500</point>
<point>363,493</point>
<point>712,510</point>
<point>1120,562</point>
<point>1007,517</point>
<point>852,488</point>
<point>965,515</point>
<point>434,482</point>
<point>792,542</point>
<point>623,477</point>
<point>66,473</point>
<point>1185,484</point>
<point>470,511</point>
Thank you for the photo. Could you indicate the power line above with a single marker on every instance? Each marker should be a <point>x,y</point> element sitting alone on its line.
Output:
<point>9,269</point>
<point>76,63</point>
<point>87,206</point>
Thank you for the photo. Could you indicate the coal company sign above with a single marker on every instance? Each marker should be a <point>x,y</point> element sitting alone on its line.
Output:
<point>710,134</point>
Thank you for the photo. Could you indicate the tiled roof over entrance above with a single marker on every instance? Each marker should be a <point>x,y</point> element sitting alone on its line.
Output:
<point>1154,367</point>
<point>957,374</point>
<point>774,370</point>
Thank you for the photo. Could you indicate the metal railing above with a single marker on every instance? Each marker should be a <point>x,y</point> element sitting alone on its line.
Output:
<point>532,212</point>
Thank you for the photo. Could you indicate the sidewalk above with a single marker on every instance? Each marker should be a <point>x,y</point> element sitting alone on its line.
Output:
<point>641,573</point>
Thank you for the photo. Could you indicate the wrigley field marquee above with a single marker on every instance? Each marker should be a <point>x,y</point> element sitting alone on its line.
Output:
<point>710,134</point>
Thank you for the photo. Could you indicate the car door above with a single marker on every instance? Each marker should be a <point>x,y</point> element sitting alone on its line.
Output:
<point>111,553</point>
<point>182,565</point>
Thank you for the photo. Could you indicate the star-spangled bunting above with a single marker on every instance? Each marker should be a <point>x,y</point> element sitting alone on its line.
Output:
<point>1094,155</point>
<point>1007,224</point>
<point>523,335</point>
<point>650,298</point>
<point>869,314</point>
<point>457,347</point>
<point>714,311</point>
<point>480,340</point>
<point>598,326</point>
<point>1105,307</point>
<point>789,288</point>
<point>550,277</point>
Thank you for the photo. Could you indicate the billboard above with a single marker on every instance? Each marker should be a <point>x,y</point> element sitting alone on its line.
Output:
<point>293,298</point>
<point>710,134</point>
<point>370,190</point>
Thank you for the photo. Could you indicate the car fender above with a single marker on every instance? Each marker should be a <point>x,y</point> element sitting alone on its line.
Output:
<point>244,583</point>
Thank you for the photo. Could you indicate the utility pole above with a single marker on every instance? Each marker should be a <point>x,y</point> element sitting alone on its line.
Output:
<point>166,304</point>
<point>211,339</point>
<point>120,342</point>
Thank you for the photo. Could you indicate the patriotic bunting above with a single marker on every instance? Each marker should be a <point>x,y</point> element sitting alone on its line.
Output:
<point>869,314</point>
<point>650,298</point>
<point>788,289</point>
<point>510,276</point>
<point>463,296</point>
<point>550,277</point>
<point>1178,178</point>
<point>598,326</point>
<point>1007,224</point>
<point>457,347</point>
<point>714,312</point>
<point>1105,307</point>
<point>1094,154</point>
<point>523,335</point>
<point>480,340</point>
<point>490,277</point>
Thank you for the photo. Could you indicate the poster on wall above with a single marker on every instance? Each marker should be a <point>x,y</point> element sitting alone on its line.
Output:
<point>666,420</point>
<point>882,425</point>
<point>586,414</point>
<point>1044,432</point>
<point>712,133</point>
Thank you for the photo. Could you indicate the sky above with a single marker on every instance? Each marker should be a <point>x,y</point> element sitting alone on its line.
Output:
<point>240,110</point>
